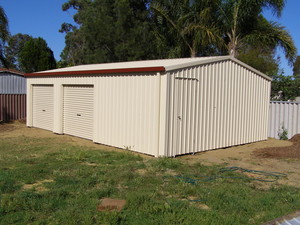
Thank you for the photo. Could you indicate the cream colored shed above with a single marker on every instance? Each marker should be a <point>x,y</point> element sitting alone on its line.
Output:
<point>158,107</point>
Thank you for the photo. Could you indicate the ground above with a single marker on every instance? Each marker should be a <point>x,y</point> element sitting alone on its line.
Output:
<point>252,156</point>
<point>255,156</point>
<point>47,178</point>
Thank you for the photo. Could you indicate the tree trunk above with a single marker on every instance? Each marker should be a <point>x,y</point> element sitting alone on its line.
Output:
<point>193,53</point>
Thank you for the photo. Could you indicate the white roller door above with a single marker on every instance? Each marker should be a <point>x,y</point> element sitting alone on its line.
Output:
<point>78,111</point>
<point>42,106</point>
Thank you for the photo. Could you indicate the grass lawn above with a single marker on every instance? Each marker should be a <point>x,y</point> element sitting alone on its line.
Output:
<point>44,181</point>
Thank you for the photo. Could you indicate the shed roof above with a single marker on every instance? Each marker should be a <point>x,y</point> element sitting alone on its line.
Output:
<point>161,65</point>
<point>12,71</point>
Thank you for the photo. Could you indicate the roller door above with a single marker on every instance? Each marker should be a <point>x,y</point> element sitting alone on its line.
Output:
<point>78,111</point>
<point>42,106</point>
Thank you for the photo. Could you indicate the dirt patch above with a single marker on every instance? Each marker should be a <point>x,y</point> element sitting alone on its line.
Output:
<point>248,156</point>
<point>202,206</point>
<point>289,152</point>
<point>7,127</point>
<point>38,186</point>
<point>141,171</point>
<point>89,164</point>
<point>109,204</point>
<point>295,138</point>
<point>233,155</point>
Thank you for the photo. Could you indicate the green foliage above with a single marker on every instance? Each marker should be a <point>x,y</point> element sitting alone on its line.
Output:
<point>188,29</point>
<point>13,48</point>
<point>220,27</point>
<point>283,133</point>
<point>108,31</point>
<point>287,86</point>
<point>4,34</point>
<point>242,23</point>
<point>261,59</point>
<point>36,56</point>
<point>296,68</point>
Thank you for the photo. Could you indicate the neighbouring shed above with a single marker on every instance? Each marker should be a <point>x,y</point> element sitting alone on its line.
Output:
<point>158,107</point>
<point>12,95</point>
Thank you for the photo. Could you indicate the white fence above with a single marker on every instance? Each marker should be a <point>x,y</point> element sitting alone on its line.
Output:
<point>284,115</point>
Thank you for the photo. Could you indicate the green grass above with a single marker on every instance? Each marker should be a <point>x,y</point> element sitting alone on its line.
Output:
<point>78,177</point>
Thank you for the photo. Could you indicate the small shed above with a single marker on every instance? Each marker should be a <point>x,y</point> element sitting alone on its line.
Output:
<point>163,107</point>
<point>12,95</point>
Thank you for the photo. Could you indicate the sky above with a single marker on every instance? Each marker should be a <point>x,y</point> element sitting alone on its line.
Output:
<point>43,18</point>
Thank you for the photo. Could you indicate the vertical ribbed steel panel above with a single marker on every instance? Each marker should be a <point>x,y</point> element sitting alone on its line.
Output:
<point>284,114</point>
<point>78,111</point>
<point>127,115</point>
<point>12,84</point>
<point>215,106</point>
<point>12,107</point>
<point>126,108</point>
<point>187,110</point>
<point>42,107</point>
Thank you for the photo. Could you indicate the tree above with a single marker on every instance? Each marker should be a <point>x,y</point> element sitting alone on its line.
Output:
<point>261,58</point>
<point>36,56</point>
<point>296,68</point>
<point>285,87</point>
<point>243,24</point>
<point>223,27</point>
<point>4,34</point>
<point>13,48</point>
<point>107,31</point>
<point>192,24</point>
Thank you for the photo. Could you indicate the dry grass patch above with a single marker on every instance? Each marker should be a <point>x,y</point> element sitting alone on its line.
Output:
<point>38,186</point>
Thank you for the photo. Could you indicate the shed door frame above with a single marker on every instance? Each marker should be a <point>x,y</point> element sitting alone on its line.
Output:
<point>44,108</point>
<point>184,117</point>
<point>72,113</point>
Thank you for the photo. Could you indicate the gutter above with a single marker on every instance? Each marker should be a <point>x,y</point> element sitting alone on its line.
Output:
<point>104,71</point>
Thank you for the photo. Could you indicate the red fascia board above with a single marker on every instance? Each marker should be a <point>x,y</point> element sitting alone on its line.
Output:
<point>106,71</point>
<point>12,71</point>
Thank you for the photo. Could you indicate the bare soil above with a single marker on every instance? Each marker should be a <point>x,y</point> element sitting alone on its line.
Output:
<point>289,152</point>
<point>271,155</point>
<point>110,204</point>
<point>252,156</point>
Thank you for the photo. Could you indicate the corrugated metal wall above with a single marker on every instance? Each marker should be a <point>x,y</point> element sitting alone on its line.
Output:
<point>284,114</point>
<point>12,97</point>
<point>195,109</point>
<point>42,107</point>
<point>78,111</point>
<point>215,106</point>
<point>12,107</point>
<point>126,108</point>
<point>12,84</point>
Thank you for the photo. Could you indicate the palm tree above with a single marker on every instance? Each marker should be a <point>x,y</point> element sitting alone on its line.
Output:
<point>4,34</point>
<point>243,25</point>
<point>191,22</point>
<point>223,26</point>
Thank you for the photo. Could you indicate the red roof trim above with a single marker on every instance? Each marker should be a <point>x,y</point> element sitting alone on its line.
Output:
<point>12,71</point>
<point>85,72</point>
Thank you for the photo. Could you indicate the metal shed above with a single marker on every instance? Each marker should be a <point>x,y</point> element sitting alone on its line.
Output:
<point>12,95</point>
<point>158,107</point>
